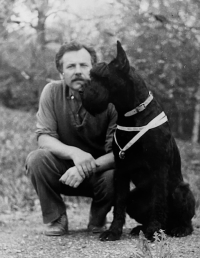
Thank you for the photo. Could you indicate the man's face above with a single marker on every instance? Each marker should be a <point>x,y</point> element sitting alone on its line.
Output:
<point>76,68</point>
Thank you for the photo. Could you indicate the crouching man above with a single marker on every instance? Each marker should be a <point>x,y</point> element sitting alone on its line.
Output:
<point>75,156</point>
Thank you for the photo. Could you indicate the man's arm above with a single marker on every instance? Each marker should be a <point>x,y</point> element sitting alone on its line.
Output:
<point>75,175</point>
<point>55,146</point>
<point>105,162</point>
<point>84,161</point>
<point>72,177</point>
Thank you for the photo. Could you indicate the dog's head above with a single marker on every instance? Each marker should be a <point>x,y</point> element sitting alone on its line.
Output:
<point>95,95</point>
<point>108,84</point>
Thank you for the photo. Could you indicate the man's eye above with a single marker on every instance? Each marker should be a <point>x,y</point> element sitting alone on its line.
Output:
<point>70,66</point>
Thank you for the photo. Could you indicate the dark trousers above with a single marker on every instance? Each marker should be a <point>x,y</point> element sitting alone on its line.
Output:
<point>45,170</point>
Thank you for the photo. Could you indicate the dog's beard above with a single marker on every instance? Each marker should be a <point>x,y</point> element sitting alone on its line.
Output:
<point>95,97</point>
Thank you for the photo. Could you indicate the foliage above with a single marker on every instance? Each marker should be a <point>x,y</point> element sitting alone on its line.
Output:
<point>161,38</point>
<point>16,140</point>
<point>162,246</point>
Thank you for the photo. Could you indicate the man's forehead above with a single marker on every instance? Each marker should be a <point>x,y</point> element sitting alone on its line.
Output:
<point>79,56</point>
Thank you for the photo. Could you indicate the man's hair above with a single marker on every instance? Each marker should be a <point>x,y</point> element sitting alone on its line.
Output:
<point>73,46</point>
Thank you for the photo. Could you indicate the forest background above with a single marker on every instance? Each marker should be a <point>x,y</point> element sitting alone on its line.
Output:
<point>162,40</point>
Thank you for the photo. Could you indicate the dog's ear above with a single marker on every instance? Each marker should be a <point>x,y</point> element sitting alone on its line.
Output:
<point>122,60</point>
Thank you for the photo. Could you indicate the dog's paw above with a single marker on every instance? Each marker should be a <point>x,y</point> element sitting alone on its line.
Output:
<point>181,231</point>
<point>109,236</point>
<point>151,229</point>
<point>136,231</point>
<point>150,237</point>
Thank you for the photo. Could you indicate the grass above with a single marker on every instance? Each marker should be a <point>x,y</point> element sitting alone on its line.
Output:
<point>161,248</point>
<point>17,139</point>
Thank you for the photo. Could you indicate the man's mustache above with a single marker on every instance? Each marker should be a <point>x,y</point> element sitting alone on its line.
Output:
<point>78,78</point>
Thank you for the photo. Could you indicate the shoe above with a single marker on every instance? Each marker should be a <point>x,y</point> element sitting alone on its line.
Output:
<point>96,229</point>
<point>58,227</point>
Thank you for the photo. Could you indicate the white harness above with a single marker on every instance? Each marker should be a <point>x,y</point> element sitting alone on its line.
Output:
<point>157,121</point>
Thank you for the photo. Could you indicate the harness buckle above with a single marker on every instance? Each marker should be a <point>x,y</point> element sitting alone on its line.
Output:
<point>141,107</point>
<point>122,154</point>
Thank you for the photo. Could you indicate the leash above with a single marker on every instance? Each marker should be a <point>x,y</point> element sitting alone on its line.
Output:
<point>157,121</point>
<point>141,107</point>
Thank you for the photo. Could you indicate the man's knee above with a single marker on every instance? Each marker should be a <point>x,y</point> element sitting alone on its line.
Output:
<point>36,159</point>
<point>108,184</point>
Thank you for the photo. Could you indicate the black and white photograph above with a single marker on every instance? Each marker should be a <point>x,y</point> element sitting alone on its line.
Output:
<point>100,129</point>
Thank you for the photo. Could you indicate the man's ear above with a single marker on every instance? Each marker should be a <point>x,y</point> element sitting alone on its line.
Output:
<point>122,60</point>
<point>61,75</point>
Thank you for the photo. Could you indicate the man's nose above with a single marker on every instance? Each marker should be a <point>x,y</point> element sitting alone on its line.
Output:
<point>78,69</point>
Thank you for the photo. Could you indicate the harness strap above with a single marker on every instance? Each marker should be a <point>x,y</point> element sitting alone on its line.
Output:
<point>141,107</point>
<point>157,121</point>
<point>140,128</point>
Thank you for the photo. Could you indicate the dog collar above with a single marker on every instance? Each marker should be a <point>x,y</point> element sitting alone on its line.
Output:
<point>157,121</point>
<point>141,107</point>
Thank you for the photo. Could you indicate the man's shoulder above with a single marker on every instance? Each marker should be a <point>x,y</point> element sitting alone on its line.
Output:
<point>52,88</point>
<point>50,91</point>
<point>53,85</point>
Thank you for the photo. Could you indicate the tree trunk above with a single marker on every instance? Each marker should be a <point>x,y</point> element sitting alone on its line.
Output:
<point>196,124</point>
<point>40,45</point>
<point>180,124</point>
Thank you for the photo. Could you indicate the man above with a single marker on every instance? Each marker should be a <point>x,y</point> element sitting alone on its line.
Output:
<point>74,157</point>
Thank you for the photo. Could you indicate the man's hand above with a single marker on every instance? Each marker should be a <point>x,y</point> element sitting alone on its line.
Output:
<point>84,162</point>
<point>71,177</point>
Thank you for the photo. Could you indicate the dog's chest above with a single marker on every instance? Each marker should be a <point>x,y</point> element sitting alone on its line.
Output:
<point>144,149</point>
<point>121,139</point>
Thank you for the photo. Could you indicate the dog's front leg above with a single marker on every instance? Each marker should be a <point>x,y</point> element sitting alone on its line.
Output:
<point>159,208</point>
<point>122,183</point>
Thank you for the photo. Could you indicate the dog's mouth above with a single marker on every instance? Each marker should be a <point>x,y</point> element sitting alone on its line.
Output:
<point>94,98</point>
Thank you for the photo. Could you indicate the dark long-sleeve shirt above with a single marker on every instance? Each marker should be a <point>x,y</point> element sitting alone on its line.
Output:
<point>57,118</point>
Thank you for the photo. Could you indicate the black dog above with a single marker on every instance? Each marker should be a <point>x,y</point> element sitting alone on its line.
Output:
<point>160,199</point>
